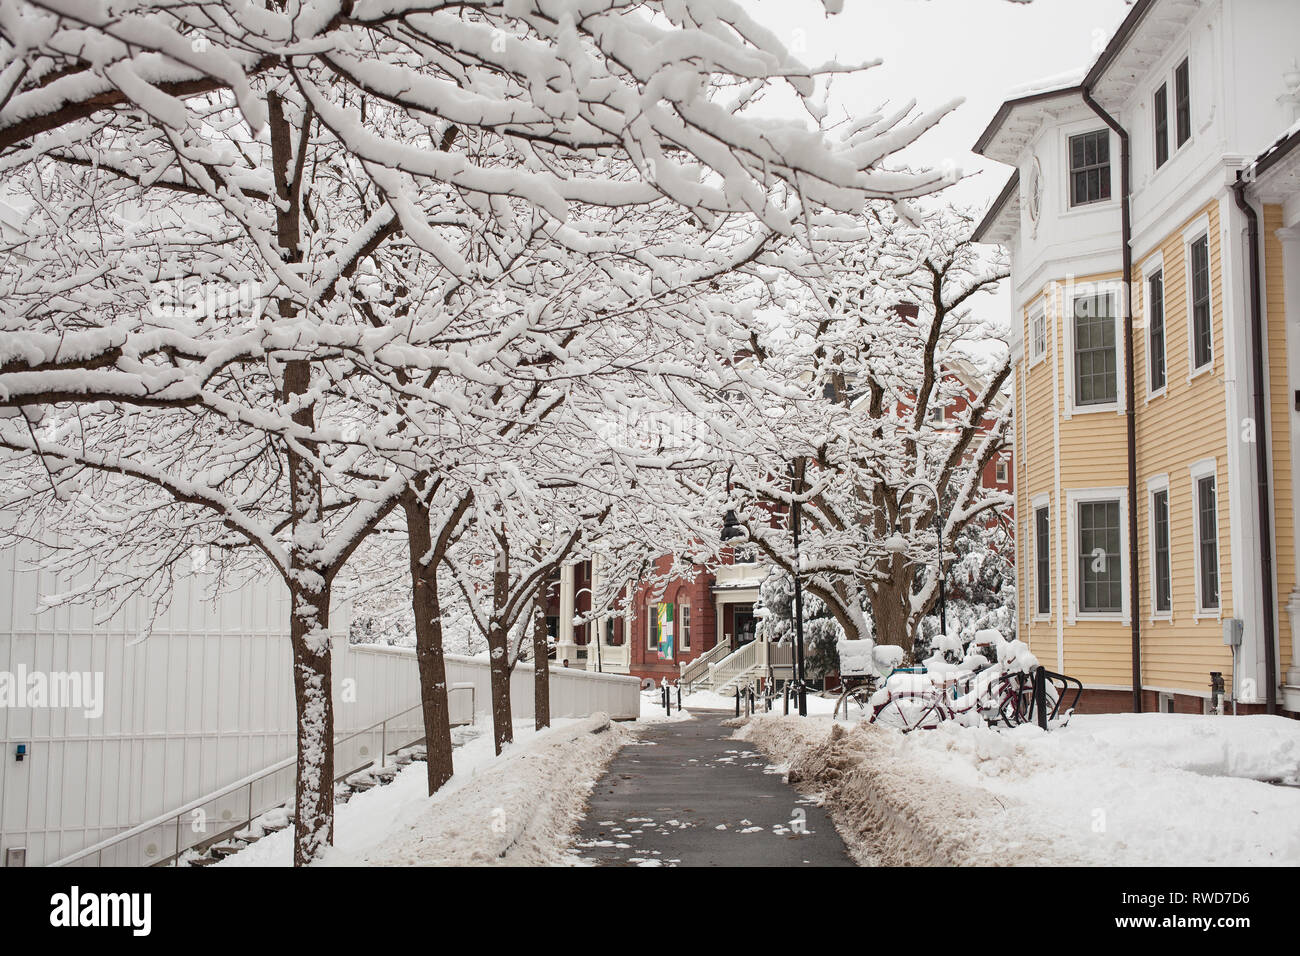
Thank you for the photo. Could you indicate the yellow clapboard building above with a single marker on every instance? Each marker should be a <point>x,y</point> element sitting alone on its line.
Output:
<point>1153,225</point>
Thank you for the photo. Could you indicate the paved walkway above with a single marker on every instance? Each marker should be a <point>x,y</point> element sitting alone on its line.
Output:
<point>685,794</point>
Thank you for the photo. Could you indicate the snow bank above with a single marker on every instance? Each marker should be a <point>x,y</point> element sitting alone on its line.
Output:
<point>1122,789</point>
<point>516,809</point>
<point>887,813</point>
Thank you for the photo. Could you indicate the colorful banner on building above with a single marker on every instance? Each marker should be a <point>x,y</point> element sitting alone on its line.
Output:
<point>665,614</point>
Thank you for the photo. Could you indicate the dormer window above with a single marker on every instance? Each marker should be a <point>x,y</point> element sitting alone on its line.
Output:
<point>1089,167</point>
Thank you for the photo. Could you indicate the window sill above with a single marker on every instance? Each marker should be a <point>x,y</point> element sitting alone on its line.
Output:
<point>1108,616</point>
<point>1207,614</point>
<point>1158,393</point>
<point>1111,407</point>
<point>1087,207</point>
<point>1202,370</point>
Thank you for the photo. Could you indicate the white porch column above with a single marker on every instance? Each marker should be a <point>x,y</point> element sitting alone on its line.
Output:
<point>564,647</point>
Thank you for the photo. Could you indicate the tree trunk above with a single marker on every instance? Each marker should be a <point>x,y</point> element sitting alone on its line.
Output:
<point>313,824</point>
<point>428,643</point>
<point>890,608</point>
<point>541,664</point>
<point>499,655</point>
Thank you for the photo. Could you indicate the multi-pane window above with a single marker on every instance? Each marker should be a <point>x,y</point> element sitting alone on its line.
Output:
<point>1160,110</point>
<point>1207,542</point>
<point>1182,103</point>
<point>684,624</point>
<point>1089,167</point>
<point>1202,342</point>
<point>1042,565</point>
<point>1094,351</point>
<point>1160,546</point>
<point>1039,333</point>
<point>1101,586</point>
<point>1000,473</point>
<point>652,631</point>
<point>1156,329</point>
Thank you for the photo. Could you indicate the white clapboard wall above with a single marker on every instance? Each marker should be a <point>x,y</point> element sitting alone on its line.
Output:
<point>205,700</point>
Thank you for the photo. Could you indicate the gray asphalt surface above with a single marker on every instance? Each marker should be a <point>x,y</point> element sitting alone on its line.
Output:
<point>684,794</point>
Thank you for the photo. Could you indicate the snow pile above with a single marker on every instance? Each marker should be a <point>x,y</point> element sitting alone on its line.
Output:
<point>516,809</point>
<point>1122,789</point>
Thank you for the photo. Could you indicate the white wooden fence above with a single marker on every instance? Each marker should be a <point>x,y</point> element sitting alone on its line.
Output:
<point>205,700</point>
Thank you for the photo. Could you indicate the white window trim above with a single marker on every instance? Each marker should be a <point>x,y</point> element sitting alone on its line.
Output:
<point>651,617</point>
<point>1150,266</point>
<point>1035,503</point>
<point>1160,483</point>
<point>1198,229</point>
<point>1072,293</point>
<point>1073,498</point>
<point>1078,129</point>
<point>685,628</point>
<point>1001,471</point>
<point>1167,76</point>
<point>1036,311</point>
<point>1206,468</point>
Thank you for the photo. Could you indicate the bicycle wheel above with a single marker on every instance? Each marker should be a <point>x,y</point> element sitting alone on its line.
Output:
<point>908,711</point>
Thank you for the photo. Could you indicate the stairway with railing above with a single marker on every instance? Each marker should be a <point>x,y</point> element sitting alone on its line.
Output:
<point>696,672</point>
<point>722,672</point>
<point>217,818</point>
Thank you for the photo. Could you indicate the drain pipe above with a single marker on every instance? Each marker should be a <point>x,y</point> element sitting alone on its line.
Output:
<point>1126,234</point>
<point>1261,442</point>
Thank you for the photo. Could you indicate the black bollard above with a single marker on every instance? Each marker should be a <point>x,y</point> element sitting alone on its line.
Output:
<point>737,700</point>
<point>785,706</point>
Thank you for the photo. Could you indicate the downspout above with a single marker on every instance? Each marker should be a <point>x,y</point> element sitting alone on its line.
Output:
<point>1262,466</point>
<point>1126,236</point>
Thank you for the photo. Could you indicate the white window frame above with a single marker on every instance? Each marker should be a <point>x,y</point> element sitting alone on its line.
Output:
<point>1168,77</point>
<point>1155,484</point>
<point>1036,503</point>
<point>1038,312</point>
<point>1071,295</point>
<point>1073,498</point>
<point>1150,266</point>
<point>651,618</point>
<point>1173,103</point>
<point>1001,470</point>
<point>683,625</point>
<point>1206,468</point>
<point>1080,129</point>
<point>1198,229</point>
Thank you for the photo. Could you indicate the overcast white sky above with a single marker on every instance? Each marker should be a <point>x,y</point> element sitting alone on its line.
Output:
<point>938,50</point>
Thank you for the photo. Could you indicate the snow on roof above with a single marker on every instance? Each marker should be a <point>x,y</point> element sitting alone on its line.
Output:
<point>1283,144</point>
<point>1048,84</point>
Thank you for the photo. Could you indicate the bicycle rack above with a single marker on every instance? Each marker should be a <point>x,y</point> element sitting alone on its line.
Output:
<point>1038,702</point>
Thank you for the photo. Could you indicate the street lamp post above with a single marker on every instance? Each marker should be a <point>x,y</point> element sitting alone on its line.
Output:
<point>796,513</point>
<point>897,544</point>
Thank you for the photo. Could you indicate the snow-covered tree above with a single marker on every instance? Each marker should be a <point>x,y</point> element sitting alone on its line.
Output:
<point>439,215</point>
<point>875,336</point>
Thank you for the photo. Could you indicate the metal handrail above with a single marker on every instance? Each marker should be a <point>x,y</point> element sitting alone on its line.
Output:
<point>178,814</point>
